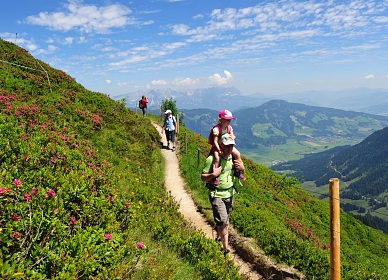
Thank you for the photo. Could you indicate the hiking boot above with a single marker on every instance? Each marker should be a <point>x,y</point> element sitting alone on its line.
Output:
<point>228,255</point>
<point>173,148</point>
<point>218,239</point>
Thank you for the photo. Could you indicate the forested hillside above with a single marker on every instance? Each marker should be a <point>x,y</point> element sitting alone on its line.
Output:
<point>362,168</point>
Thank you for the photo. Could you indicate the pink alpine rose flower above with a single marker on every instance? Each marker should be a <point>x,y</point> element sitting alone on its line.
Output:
<point>50,192</point>
<point>27,197</point>
<point>108,236</point>
<point>15,217</point>
<point>72,220</point>
<point>35,191</point>
<point>17,183</point>
<point>15,235</point>
<point>140,245</point>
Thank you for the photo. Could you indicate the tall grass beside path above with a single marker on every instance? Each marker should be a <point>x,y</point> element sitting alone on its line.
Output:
<point>288,223</point>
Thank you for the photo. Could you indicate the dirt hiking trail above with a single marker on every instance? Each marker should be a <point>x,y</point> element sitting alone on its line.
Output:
<point>248,259</point>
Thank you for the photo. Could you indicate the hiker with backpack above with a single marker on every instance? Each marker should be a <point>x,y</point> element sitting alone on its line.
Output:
<point>143,105</point>
<point>221,196</point>
<point>223,126</point>
<point>169,126</point>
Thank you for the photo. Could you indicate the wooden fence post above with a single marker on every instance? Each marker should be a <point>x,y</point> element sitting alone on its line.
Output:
<point>335,262</point>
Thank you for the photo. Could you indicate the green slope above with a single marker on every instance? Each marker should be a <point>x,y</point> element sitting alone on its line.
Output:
<point>81,186</point>
<point>290,224</point>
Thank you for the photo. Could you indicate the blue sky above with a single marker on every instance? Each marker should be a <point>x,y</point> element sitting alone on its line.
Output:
<point>271,47</point>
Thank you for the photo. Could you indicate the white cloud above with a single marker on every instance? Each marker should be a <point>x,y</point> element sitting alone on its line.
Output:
<point>199,16</point>
<point>122,85</point>
<point>185,81</point>
<point>217,79</point>
<point>69,40</point>
<point>158,82</point>
<point>108,82</point>
<point>51,48</point>
<point>370,76</point>
<point>85,18</point>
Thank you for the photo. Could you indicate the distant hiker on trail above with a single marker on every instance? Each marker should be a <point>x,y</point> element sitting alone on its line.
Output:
<point>222,196</point>
<point>143,105</point>
<point>223,126</point>
<point>169,125</point>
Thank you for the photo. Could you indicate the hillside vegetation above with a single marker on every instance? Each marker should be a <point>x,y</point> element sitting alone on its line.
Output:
<point>81,186</point>
<point>290,224</point>
<point>82,195</point>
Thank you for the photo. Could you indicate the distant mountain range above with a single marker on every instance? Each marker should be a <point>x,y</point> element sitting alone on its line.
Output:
<point>367,100</point>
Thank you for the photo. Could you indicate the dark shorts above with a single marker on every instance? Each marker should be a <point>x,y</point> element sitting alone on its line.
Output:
<point>170,135</point>
<point>222,209</point>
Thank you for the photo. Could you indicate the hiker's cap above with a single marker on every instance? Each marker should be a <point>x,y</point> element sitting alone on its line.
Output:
<point>226,139</point>
<point>167,112</point>
<point>226,115</point>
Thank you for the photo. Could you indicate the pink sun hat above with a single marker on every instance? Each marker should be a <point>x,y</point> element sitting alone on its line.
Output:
<point>226,115</point>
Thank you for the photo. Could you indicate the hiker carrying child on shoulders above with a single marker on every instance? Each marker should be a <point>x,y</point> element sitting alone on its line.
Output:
<point>223,127</point>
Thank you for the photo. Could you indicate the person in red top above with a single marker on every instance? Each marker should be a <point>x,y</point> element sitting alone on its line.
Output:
<point>143,105</point>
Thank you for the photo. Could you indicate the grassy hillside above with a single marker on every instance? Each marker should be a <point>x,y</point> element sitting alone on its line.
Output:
<point>290,224</point>
<point>81,186</point>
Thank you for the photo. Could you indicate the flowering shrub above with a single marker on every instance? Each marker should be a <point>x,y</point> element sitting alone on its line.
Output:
<point>80,185</point>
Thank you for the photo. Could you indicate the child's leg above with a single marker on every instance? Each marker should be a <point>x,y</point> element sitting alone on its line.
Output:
<point>236,154</point>
<point>216,159</point>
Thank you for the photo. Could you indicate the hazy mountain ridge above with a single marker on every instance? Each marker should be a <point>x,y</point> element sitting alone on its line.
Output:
<point>367,100</point>
<point>211,98</point>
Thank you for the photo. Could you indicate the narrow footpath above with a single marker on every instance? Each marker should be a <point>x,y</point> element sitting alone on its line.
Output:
<point>175,184</point>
